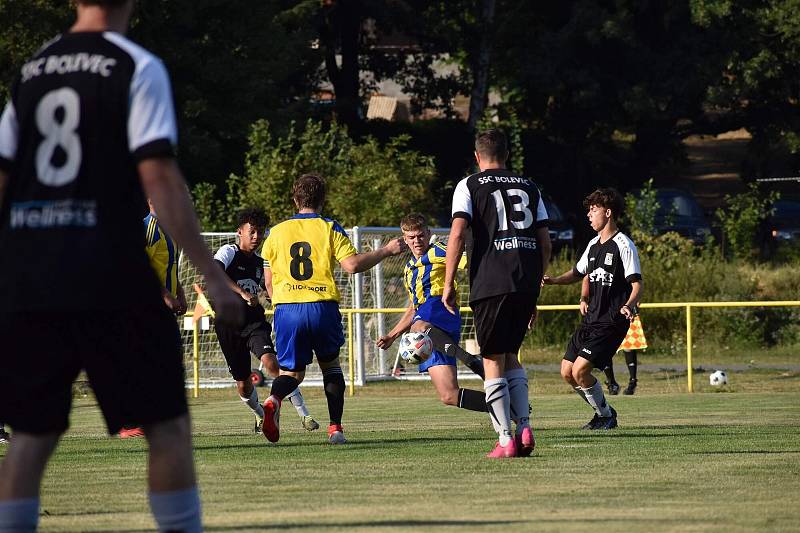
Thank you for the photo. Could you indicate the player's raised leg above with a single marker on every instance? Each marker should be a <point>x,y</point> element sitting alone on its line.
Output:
<point>445,380</point>
<point>445,344</point>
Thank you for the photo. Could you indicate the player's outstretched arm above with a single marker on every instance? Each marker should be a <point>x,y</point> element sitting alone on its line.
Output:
<point>455,250</point>
<point>163,183</point>
<point>361,262</point>
<point>402,326</point>
<point>564,279</point>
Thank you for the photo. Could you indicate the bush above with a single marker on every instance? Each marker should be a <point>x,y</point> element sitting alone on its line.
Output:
<point>369,183</point>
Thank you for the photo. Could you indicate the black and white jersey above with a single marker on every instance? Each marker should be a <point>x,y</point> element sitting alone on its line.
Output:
<point>611,266</point>
<point>247,271</point>
<point>504,210</point>
<point>83,112</point>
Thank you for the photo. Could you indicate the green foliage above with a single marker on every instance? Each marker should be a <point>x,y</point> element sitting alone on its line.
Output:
<point>640,211</point>
<point>741,217</point>
<point>368,183</point>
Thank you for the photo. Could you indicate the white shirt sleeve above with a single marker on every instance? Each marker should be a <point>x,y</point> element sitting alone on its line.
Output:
<point>582,266</point>
<point>462,199</point>
<point>630,258</point>
<point>225,255</point>
<point>541,211</point>
<point>9,132</point>
<point>152,114</point>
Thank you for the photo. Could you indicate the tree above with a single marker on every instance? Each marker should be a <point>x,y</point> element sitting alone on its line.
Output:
<point>369,183</point>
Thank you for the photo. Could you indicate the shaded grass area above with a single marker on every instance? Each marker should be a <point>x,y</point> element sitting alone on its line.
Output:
<point>718,462</point>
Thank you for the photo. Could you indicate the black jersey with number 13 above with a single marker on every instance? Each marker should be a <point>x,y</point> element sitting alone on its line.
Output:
<point>504,211</point>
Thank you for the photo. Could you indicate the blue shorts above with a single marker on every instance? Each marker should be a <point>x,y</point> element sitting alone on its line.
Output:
<point>305,329</point>
<point>434,312</point>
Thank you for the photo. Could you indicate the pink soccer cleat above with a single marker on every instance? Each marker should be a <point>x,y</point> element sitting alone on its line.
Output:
<point>525,442</point>
<point>503,452</point>
<point>272,415</point>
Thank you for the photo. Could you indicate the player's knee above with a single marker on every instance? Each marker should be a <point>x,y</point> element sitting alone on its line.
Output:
<point>169,433</point>
<point>449,397</point>
<point>566,373</point>
<point>271,365</point>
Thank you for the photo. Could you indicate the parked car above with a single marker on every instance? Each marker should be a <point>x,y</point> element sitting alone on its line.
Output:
<point>678,211</point>
<point>782,226</point>
<point>562,234</point>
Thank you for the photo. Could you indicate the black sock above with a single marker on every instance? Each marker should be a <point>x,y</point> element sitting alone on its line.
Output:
<point>630,360</point>
<point>283,385</point>
<point>442,342</point>
<point>333,379</point>
<point>609,372</point>
<point>472,400</point>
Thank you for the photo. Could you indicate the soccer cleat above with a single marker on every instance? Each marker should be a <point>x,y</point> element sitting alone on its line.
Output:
<point>613,388</point>
<point>503,452</point>
<point>128,433</point>
<point>5,438</point>
<point>259,424</point>
<point>607,422</point>
<point>525,442</point>
<point>272,415</point>
<point>592,424</point>
<point>309,424</point>
<point>336,434</point>
<point>630,389</point>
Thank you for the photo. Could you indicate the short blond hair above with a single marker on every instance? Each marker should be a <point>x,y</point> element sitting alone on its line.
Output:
<point>414,221</point>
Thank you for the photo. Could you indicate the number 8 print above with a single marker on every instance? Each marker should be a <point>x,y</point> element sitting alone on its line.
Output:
<point>58,134</point>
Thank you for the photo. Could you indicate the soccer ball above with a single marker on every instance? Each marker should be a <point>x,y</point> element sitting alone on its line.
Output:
<point>415,347</point>
<point>718,378</point>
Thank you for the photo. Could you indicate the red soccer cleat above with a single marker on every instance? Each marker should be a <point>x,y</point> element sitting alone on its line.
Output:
<point>272,414</point>
<point>503,452</point>
<point>128,433</point>
<point>525,442</point>
<point>336,434</point>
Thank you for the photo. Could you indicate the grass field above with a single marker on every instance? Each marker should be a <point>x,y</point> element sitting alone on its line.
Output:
<point>679,462</point>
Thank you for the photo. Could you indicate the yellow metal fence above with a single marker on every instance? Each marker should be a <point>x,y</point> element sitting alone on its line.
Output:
<point>688,306</point>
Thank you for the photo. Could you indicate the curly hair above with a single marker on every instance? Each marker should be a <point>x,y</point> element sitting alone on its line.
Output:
<point>309,191</point>
<point>607,198</point>
<point>255,216</point>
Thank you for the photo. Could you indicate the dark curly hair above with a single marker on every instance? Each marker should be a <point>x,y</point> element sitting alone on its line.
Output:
<point>254,215</point>
<point>607,198</point>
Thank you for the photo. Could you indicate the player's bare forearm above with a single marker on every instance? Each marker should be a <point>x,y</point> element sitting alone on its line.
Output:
<point>585,289</point>
<point>545,246</point>
<point>564,279</point>
<point>636,294</point>
<point>402,326</point>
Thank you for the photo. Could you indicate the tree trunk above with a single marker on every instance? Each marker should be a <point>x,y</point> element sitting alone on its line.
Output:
<point>480,84</point>
<point>341,32</point>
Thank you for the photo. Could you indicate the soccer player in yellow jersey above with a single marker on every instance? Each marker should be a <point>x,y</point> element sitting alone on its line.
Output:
<point>163,255</point>
<point>424,278</point>
<point>301,254</point>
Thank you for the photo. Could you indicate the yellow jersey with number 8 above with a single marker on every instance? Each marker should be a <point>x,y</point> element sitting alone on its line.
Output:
<point>302,253</point>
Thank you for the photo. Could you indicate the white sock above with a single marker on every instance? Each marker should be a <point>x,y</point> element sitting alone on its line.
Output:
<point>518,392</point>
<point>579,392</point>
<point>296,397</point>
<point>252,403</point>
<point>19,515</point>
<point>177,510</point>
<point>595,397</point>
<point>498,402</point>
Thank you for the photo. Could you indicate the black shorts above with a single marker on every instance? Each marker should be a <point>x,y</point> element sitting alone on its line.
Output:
<point>133,359</point>
<point>238,345</point>
<point>501,322</point>
<point>596,342</point>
